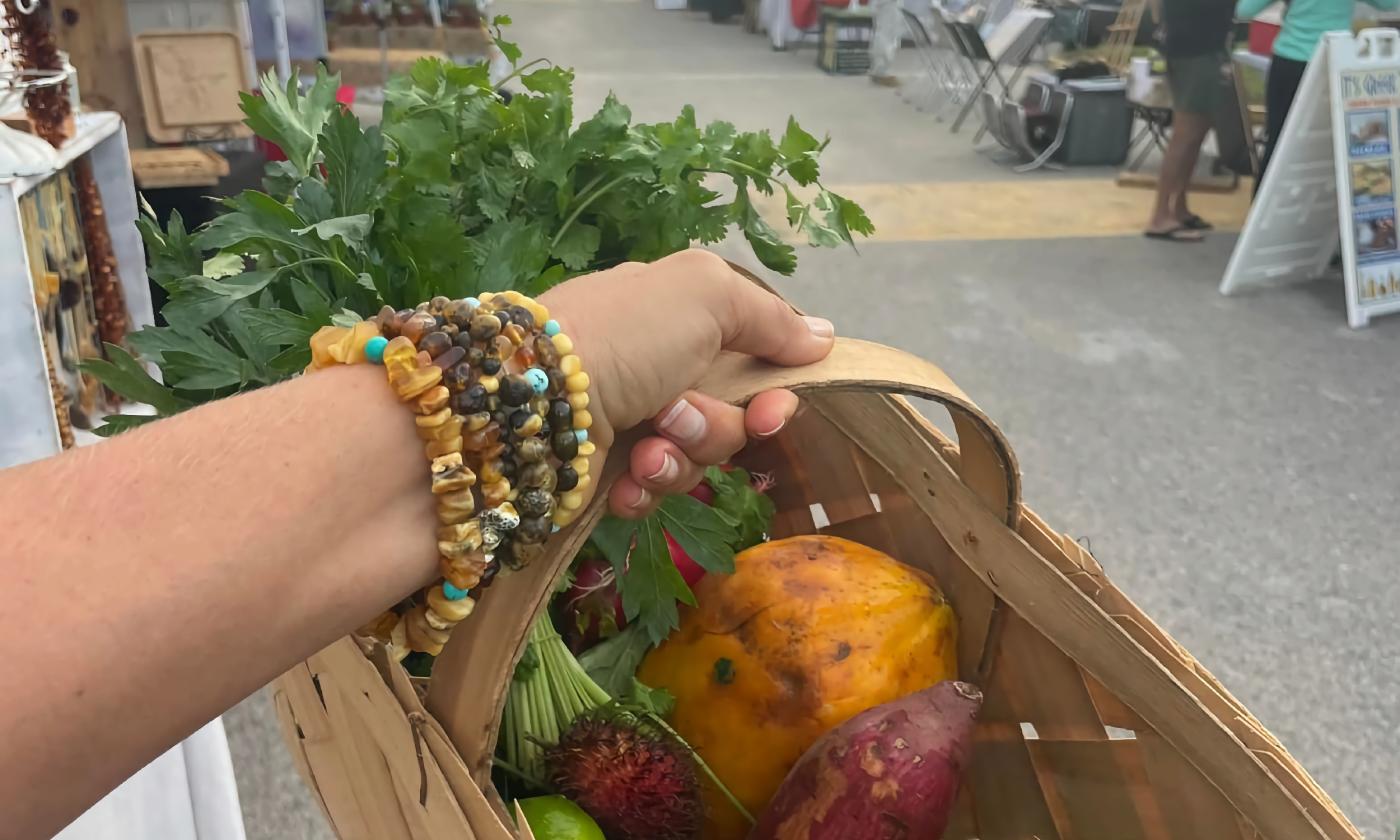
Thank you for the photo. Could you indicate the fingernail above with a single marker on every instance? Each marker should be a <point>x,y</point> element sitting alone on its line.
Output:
<point>668,472</point>
<point>683,422</point>
<point>820,327</point>
<point>772,431</point>
<point>643,498</point>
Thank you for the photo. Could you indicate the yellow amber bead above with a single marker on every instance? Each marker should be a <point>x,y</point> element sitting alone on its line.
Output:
<point>449,609</point>
<point>461,532</point>
<point>432,421</point>
<point>579,401</point>
<point>447,431</point>
<point>495,493</point>
<point>453,516</point>
<point>581,465</point>
<point>484,297</point>
<point>360,334</point>
<point>399,354</point>
<point>451,482</point>
<point>570,365</point>
<point>563,344</point>
<point>563,517</point>
<point>588,448</point>
<point>572,500</point>
<point>413,383</point>
<point>490,383</point>
<point>478,421</point>
<point>465,573</point>
<point>583,420</point>
<point>584,482</point>
<point>442,447</point>
<point>577,384</point>
<point>436,621</point>
<point>433,400</point>
<point>321,343</point>
<point>512,296</point>
<point>461,549</point>
<point>537,311</point>
<point>380,627</point>
<point>531,426</point>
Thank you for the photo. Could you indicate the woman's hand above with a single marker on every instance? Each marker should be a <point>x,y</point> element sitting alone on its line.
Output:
<point>647,333</point>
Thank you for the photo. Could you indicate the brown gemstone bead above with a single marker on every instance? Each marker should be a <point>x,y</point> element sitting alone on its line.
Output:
<point>535,502</point>
<point>532,450</point>
<point>538,476</point>
<point>481,439</point>
<point>476,422</point>
<point>458,377</point>
<point>484,327</point>
<point>416,326</point>
<point>450,357</point>
<point>565,444</point>
<point>567,479</point>
<point>495,493</point>
<point>388,322</point>
<point>515,390</point>
<point>489,576</point>
<point>435,343</point>
<point>556,380</point>
<point>502,348</point>
<point>545,353</point>
<point>515,333</point>
<point>423,359</point>
<point>458,313</point>
<point>534,529</point>
<point>521,316</point>
<point>438,304</point>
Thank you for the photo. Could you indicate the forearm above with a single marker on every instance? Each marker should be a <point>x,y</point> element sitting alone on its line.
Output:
<point>157,579</point>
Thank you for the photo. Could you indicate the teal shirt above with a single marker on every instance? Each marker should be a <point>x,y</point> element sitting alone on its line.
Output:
<point>1305,21</point>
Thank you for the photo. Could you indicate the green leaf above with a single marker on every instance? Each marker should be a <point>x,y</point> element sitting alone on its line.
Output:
<point>197,372</point>
<point>513,252</point>
<point>127,377</point>
<point>201,299</point>
<point>656,701</point>
<point>797,149</point>
<point>222,265</point>
<point>114,424</point>
<point>352,230</point>
<point>613,662</point>
<point>171,254</point>
<point>736,497</point>
<point>577,247</point>
<point>292,360</point>
<point>278,327</point>
<point>706,533</point>
<point>291,119</point>
<point>646,577</point>
<point>311,300</point>
<point>258,220</point>
<point>346,318</point>
<point>355,163</point>
<point>770,250</point>
<point>848,216</point>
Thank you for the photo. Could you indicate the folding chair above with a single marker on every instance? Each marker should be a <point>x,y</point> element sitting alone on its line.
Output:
<point>1013,42</point>
<point>947,75</point>
<point>1009,124</point>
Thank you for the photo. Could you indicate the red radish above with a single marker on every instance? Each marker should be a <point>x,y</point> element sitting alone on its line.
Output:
<point>592,607</point>
<point>889,773</point>
<point>689,569</point>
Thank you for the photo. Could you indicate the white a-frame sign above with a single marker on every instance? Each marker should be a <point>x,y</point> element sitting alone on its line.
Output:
<point>1333,178</point>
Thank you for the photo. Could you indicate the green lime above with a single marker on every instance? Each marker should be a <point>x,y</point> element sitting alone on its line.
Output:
<point>556,818</point>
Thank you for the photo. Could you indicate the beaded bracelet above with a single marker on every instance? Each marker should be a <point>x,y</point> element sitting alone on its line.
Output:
<point>501,401</point>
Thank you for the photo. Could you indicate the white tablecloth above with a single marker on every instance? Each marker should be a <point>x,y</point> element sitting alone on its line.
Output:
<point>186,794</point>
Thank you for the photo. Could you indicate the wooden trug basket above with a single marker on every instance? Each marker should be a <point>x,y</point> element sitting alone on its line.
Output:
<point>1097,725</point>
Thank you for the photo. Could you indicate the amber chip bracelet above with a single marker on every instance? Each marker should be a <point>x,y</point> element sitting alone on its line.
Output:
<point>501,404</point>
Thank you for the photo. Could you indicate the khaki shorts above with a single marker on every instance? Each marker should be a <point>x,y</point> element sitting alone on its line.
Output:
<point>1197,82</point>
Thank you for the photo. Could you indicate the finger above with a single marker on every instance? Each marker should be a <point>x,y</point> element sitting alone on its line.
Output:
<point>630,500</point>
<point>660,466</point>
<point>707,431</point>
<point>769,412</point>
<point>762,324</point>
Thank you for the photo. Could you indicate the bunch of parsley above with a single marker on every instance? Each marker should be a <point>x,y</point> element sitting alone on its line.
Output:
<point>459,190</point>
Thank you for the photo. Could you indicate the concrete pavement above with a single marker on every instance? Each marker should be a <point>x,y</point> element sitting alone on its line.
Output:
<point>1232,460</point>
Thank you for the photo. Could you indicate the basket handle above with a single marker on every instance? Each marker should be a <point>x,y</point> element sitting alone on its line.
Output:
<point>471,677</point>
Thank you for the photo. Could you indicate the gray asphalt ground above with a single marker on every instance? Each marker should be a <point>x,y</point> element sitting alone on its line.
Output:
<point>1232,460</point>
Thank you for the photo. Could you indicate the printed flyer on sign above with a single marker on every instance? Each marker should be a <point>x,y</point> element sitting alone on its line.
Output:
<point>1371,103</point>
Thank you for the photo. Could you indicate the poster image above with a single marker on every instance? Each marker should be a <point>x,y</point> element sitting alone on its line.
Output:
<point>1375,235</point>
<point>1368,133</point>
<point>1372,183</point>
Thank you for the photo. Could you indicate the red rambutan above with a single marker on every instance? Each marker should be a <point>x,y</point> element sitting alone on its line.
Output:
<point>637,781</point>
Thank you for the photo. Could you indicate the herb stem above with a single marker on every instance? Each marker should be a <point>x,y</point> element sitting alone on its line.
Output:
<point>583,205</point>
<point>704,768</point>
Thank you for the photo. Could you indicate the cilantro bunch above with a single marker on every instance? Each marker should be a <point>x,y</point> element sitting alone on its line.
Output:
<point>459,190</point>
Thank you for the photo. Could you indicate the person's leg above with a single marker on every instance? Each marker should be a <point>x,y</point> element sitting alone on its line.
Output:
<point>1280,88</point>
<point>1188,132</point>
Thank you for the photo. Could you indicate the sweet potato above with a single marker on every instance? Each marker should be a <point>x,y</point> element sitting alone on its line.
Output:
<point>889,773</point>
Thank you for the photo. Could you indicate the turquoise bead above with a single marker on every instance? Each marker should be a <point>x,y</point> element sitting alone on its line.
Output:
<point>538,379</point>
<point>475,304</point>
<point>452,592</point>
<point>554,529</point>
<point>582,435</point>
<point>551,327</point>
<point>374,349</point>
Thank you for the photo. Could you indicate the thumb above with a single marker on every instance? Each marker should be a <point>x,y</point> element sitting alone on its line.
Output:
<point>759,323</point>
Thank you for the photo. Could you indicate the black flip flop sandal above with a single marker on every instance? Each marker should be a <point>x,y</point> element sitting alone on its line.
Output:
<point>1173,235</point>
<point>1194,222</point>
